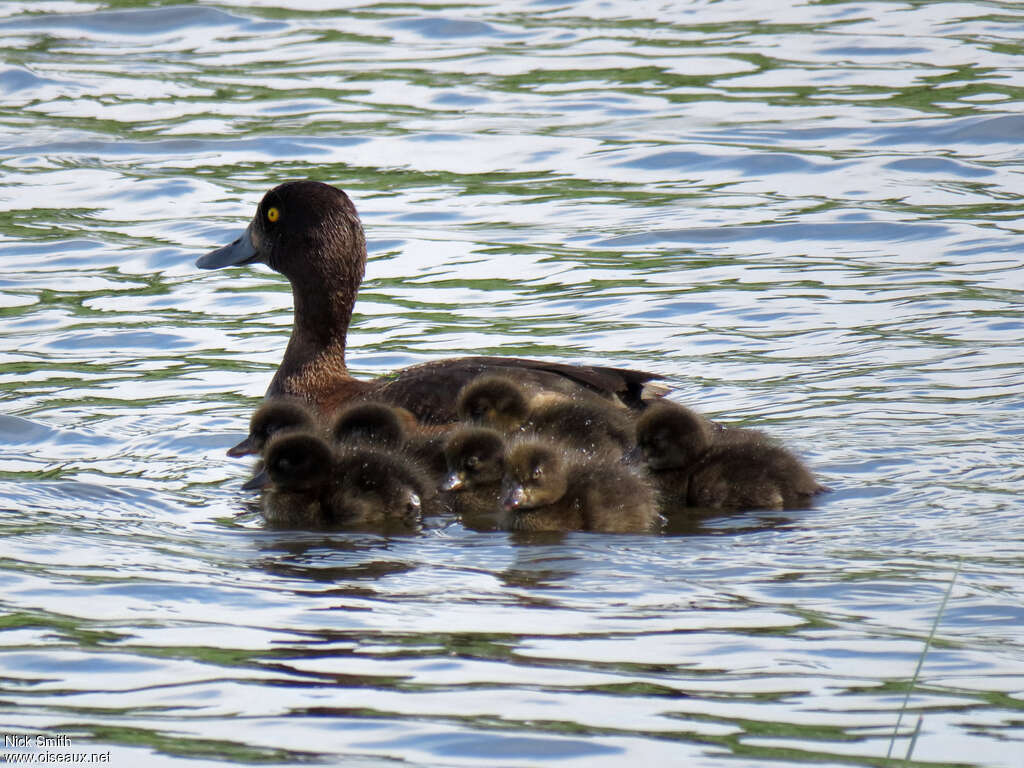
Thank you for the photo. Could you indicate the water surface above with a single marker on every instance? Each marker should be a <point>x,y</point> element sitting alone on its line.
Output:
<point>805,215</point>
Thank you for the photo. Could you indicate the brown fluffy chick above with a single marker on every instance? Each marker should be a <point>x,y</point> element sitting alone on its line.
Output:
<point>595,426</point>
<point>695,464</point>
<point>390,428</point>
<point>375,488</point>
<point>298,467</point>
<point>595,429</point>
<point>493,401</point>
<point>549,487</point>
<point>313,486</point>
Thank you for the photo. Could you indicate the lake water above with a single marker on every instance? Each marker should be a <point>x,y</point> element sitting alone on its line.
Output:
<point>806,215</point>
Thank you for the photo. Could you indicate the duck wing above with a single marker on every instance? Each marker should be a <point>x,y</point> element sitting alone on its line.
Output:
<point>429,390</point>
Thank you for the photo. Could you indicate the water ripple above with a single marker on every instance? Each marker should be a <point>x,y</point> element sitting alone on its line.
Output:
<point>805,220</point>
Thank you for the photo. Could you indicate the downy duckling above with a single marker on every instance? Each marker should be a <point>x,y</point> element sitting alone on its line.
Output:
<point>594,429</point>
<point>313,486</point>
<point>549,487</point>
<point>588,424</point>
<point>475,457</point>
<point>390,428</point>
<point>378,488</point>
<point>696,465</point>
<point>375,424</point>
<point>275,415</point>
<point>298,468</point>
<point>493,401</point>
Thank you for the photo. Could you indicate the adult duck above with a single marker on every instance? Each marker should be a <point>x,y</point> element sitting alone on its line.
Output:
<point>310,233</point>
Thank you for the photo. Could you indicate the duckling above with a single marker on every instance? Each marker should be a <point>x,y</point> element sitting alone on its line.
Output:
<point>371,423</point>
<point>388,427</point>
<point>549,487</point>
<point>493,401</point>
<point>312,486</point>
<point>374,488</point>
<point>476,463</point>
<point>591,428</point>
<point>273,416</point>
<point>588,424</point>
<point>695,464</point>
<point>299,469</point>
<point>310,232</point>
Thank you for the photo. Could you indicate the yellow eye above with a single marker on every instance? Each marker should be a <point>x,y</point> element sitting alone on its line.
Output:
<point>273,215</point>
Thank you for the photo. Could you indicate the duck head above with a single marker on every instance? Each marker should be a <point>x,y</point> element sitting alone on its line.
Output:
<point>310,233</point>
<point>376,424</point>
<point>376,487</point>
<point>297,224</point>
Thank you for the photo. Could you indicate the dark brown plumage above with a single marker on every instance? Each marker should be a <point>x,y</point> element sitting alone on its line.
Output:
<point>371,423</point>
<point>493,401</point>
<point>390,428</point>
<point>298,466</point>
<point>694,463</point>
<point>548,487</point>
<point>594,429</point>
<point>310,233</point>
<point>314,486</point>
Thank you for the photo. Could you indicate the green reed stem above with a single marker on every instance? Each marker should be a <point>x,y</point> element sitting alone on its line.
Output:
<point>917,671</point>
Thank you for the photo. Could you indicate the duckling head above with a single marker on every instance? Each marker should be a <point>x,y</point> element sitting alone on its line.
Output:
<point>278,415</point>
<point>493,401</point>
<point>671,436</point>
<point>475,457</point>
<point>536,475</point>
<point>374,424</point>
<point>298,461</point>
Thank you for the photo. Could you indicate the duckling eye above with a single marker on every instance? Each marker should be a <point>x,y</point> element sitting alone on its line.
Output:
<point>273,214</point>
<point>288,463</point>
<point>538,473</point>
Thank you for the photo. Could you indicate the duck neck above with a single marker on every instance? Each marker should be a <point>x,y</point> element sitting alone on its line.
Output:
<point>314,362</point>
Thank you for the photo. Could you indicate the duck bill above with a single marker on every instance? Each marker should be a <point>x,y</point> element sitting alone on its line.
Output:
<point>245,448</point>
<point>257,482</point>
<point>513,497</point>
<point>241,251</point>
<point>453,482</point>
